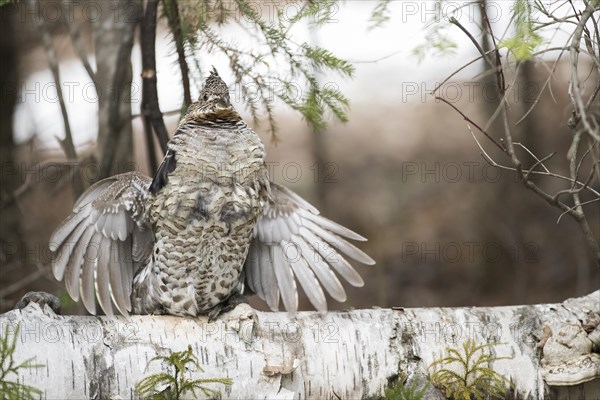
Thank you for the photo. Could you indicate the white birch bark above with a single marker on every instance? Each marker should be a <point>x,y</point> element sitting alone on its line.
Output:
<point>349,354</point>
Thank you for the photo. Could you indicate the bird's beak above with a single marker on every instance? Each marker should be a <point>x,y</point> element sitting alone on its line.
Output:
<point>224,101</point>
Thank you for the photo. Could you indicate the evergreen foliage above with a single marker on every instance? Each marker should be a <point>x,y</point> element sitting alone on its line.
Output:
<point>467,374</point>
<point>10,369</point>
<point>171,385</point>
<point>202,24</point>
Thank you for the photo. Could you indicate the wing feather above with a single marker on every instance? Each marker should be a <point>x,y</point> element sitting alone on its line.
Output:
<point>73,269</point>
<point>268,279</point>
<point>253,271</point>
<point>339,263</point>
<point>65,229</point>
<point>60,263</point>
<point>89,271</point>
<point>322,270</point>
<point>290,221</point>
<point>92,193</point>
<point>344,246</point>
<point>103,240</point>
<point>331,226</point>
<point>307,280</point>
<point>285,279</point>
<point>116,264</point>
<point>103,277</point>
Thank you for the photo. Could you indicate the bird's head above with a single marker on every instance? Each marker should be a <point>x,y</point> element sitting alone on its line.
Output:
<point>213,103</point>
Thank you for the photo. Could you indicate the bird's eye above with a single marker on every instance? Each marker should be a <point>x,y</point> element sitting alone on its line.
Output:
<point>205,97</point>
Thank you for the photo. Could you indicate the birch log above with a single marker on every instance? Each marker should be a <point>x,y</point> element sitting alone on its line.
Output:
<point>336,355</point>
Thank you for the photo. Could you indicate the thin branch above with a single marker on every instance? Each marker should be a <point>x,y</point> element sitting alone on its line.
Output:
<point>493,163</point>
<point>67,143</point>
<point>483,53</point>
<point>454,73</point>
<point>76,40</point>
<point>503,99</point>
<point>470,121</point>
<point>572,190</point>
<point>577,208</point>
<point>597,33</point>
<point>575,85</point>
<point>580,112</point>
<point>575,91</point>
<point>546,83</point>
<point>499,70</point>
<point>150,106</point>
<point>588,151</point>
<point>572,208</point>
<point>574,120</point>
<point>172,12</point>
<point>531,154</point>
<point>149,136</point>
<point>539,162</point>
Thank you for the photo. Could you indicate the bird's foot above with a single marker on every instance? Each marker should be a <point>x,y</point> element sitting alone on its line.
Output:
<point>41,298</point>
<point>226,306</point>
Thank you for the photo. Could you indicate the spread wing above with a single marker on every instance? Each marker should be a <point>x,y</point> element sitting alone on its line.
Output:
<point>291,241</point>
<point>103,242</point>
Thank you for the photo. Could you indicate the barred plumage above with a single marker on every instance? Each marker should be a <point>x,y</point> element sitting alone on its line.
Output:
<point>208,225</point>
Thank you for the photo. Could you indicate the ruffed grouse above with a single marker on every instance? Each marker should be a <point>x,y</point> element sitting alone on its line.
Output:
<point>207,226</point>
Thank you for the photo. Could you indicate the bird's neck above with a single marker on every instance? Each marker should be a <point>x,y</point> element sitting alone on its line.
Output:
<point>212,117</point>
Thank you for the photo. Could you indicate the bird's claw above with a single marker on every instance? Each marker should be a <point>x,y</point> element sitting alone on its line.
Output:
<point>228,305</point>
<point>41,298</point>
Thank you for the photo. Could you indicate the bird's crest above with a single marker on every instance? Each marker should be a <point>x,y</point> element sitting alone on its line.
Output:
<point>214,85</point>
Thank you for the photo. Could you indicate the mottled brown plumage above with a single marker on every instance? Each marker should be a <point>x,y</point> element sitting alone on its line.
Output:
<point>208,225</point>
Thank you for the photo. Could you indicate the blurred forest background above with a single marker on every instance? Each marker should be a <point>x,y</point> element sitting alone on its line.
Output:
<point>397,165</point>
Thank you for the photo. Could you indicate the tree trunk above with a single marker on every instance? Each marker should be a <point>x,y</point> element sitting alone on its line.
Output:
<point>10,175</point>
<point>349,354</point>
<point>114,36</point>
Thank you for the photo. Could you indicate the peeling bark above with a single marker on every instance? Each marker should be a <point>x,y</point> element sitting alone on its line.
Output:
<point>350,354</point>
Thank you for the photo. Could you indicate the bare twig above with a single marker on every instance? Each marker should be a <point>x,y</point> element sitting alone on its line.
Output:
<point>484,54</point>
<point>576,118</point>
<point>539,162</point>
<point>578,211</point>
<point>580,113</point>
<point>470,121</point>
<point>572,190</point>
<point>498,62</point>
<point>503,99</point>
<point>546,172</point>
<point>575,85</point>
<point>473,61</point>
<point>572,208</point>
<point>546,84</point>
<point>531,154</point>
